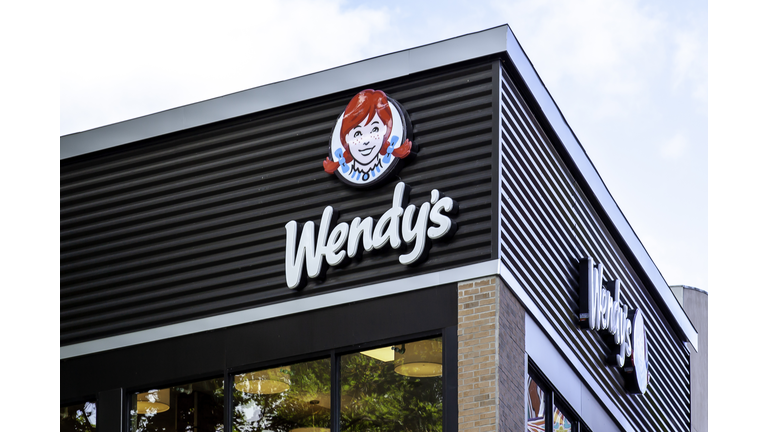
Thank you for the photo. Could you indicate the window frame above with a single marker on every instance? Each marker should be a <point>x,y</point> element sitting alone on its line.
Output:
<point>113,374</point>
<point>335,360</point>
<point>552,399</point>
<point>83,401</point>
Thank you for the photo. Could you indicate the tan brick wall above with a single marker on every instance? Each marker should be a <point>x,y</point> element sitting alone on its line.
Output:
<point>478,359</point>
<point>483,379</point>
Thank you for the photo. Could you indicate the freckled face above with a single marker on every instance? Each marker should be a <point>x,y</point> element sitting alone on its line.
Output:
<point>365,141</point>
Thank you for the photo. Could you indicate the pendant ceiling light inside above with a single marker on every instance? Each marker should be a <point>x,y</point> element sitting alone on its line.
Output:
<point>269,381</point>
<point>153,402</point>
<point>385,354</point>
<point>420,359</point>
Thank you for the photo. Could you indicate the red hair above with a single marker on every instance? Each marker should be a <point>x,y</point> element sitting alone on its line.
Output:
<point>363,107</point>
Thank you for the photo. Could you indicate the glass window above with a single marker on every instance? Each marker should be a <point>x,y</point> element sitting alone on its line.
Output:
<point>393,388</point>
<point>192,407</point>
<point>560,423</point>
<point>288,398</point>
<point>79,417</point>
<point>536,403</point>
<point>546,410</point>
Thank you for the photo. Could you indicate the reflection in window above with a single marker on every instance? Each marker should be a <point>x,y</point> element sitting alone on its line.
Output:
<point>535,406</point>
<point>394,388</point>
<point>79,418</point>
<point>546,410</point>
<point>290,398</point>
<point>560,422</point>
<point>192,407</point>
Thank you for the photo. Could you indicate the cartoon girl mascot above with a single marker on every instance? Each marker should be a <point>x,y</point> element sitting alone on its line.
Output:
<point>366,147</point>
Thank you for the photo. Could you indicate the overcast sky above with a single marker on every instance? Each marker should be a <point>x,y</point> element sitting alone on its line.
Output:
<point>629,76</point>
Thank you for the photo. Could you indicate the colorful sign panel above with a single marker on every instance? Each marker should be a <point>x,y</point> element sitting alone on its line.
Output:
<point>370,139</point>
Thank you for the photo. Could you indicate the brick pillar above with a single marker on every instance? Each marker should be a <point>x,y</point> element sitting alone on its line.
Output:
<point>477,332</point>
<point>511,361</point>
<point>491,357</point>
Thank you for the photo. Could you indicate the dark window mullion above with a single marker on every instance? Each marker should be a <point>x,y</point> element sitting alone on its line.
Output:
<point>450,379</point>
<point>549,410</point>
<point>228,398</point>
<point>335,392</point>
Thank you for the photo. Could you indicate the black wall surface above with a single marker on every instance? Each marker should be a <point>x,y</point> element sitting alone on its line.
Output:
<point>191,224</point>
<point>547,225</point>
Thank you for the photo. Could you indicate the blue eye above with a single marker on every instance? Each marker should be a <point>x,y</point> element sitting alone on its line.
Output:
<point>357,134</point>
<point>375,129</point>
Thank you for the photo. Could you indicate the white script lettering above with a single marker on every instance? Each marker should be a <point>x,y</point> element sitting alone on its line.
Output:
<point>395,226</point>
<point>601,309</point>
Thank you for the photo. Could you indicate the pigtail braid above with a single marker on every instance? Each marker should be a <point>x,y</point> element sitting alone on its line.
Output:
<point>403,151</point>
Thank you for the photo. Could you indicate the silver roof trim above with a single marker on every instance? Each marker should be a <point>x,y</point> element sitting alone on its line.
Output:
<point>690,288</point>
<point>475,45</point>
<point>351,76</point>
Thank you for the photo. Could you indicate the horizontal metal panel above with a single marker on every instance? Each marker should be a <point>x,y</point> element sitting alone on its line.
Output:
<point>192,224</point>
<point>547,225</point>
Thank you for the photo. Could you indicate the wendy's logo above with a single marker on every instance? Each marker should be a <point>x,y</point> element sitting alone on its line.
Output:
<point>369,140</point>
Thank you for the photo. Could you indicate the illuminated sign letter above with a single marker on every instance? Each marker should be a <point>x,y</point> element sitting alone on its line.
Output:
<point>600,309</point>
<point>394,227</point>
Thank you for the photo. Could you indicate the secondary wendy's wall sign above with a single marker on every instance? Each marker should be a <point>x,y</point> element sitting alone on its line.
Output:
<point>369,140</point>
<point>600,309</point>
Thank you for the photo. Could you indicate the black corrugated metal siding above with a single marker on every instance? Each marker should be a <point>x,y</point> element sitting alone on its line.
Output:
<point>191,224</point>
<point>547,224</point>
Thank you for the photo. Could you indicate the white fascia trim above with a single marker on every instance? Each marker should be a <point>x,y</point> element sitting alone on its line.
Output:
<point>472,271</point>
<point>597,186</point>
<point>570,357</point>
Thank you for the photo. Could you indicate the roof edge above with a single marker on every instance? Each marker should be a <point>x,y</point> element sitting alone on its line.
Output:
<point>604,200</point>
<point>350,76</point>
<point>688,287</point>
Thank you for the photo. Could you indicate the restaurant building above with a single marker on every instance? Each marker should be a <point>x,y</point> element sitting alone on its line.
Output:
<point>414,242</point>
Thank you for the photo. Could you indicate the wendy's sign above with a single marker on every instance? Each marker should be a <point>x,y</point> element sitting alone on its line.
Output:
<point>370,139</point>
<point>601,309</point>
<point>367,145</point>
<point>402,227</point>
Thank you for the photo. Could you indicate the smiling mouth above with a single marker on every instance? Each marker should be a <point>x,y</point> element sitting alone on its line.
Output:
<point>366,152</point>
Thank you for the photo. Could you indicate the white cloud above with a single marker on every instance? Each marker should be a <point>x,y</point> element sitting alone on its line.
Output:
<point>607,45</point>
<point>675,147</point>
<point>690,63</point>
<point>124,63</point>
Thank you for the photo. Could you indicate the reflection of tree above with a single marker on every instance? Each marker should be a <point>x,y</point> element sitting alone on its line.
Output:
<point>78,418</point>
<point>195,407</point>
<point>375,398</point>
<point>305,404</point>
